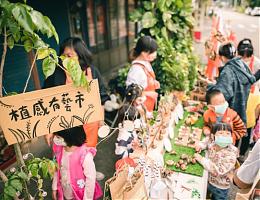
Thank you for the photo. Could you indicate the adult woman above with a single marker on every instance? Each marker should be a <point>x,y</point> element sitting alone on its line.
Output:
<point>75,48</point>
<point>141,71</point>
<point>246,52</point>
<point>235,80</point>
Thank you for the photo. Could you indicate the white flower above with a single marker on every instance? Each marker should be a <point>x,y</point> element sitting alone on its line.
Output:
<point>81,183</point>
<point>31,198</point>
<point>12,170</point>
<point>18,193</point>
<point>25,156</point>
<point>44,194</point>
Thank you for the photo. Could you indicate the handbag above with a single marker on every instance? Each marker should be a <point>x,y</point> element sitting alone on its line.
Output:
<point>246,194</point>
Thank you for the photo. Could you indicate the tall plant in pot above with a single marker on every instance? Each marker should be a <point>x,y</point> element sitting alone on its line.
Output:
<point>21,25</point>
<point>170,22</point>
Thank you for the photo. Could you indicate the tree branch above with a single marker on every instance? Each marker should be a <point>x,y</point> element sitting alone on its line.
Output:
<point>3,176</point>
<point>30,73</point>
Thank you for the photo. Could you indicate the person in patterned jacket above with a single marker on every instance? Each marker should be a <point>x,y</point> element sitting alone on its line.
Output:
<point>222,155</point>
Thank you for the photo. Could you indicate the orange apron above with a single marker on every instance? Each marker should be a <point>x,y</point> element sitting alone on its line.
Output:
<point>91,129</point>
<point>151,87</point>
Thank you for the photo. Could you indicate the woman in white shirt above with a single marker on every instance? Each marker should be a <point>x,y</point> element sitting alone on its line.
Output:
<point>141,71</point>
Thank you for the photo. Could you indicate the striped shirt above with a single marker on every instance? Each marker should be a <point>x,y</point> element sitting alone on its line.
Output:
<point>231,117</point>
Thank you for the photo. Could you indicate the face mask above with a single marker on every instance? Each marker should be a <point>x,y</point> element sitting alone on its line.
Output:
<point>223,141</point>
<point>221,109</point>
<point>59,141</point>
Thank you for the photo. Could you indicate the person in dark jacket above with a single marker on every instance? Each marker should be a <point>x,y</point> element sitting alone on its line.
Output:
<point>235,80</point>
<point>75,48</point>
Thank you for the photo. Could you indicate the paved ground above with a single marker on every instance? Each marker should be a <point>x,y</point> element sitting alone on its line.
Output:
<point>243,25</point>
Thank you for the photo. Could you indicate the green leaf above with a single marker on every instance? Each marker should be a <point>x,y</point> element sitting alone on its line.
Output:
<point>10,42</point>
<point>28,45</point>
<point>17,184</point>
<point>22,175</point>
<point>136,15</point>
<point>74,70</point>
<point>9,190</point>
<point>48,66</point>
<point>44,167</point>
<point>51,167</point>
<point>148,20</point>
<point>164,32</point>
<point>154,31</point>
<point>179,3</point>
<point>42,53</point>
<point>21,15</point>
<point>171,26</point>
<point>84,81</point>
<point>162,5</point>
<point>54,54</point>
<point>40,182</point>
<point>168,3</point>
<point>51,27</point>
<point>166,16</point>
<point>14,28</point>
<point>148,5</point>
<point>34,169</point>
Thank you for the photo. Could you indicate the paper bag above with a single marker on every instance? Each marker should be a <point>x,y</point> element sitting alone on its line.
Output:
<point>137,192</point>
<point>245,194</point>
<point>117,186</point>
<point>107,194</point>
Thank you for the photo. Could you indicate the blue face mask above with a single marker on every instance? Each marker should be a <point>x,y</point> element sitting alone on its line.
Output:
<point>221,109</point>
<point>223,141</point>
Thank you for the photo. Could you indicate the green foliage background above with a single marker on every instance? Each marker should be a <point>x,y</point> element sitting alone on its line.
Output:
<point>171,23</point>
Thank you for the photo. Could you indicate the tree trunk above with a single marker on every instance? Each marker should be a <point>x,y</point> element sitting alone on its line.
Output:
<point>3,62</point>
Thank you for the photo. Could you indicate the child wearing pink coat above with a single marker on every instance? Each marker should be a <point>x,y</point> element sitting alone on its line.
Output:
<point>75,178</point>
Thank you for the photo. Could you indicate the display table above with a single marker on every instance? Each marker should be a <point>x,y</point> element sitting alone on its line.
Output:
<point>160,180</point>
<point>184,183</point>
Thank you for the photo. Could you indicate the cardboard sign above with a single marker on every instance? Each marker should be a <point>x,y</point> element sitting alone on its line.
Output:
<point>33,114</point>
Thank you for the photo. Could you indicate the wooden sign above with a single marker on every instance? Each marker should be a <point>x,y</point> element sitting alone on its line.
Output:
<point>33,114</point>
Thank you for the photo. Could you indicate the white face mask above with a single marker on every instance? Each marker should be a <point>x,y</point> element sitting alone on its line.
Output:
<point>59,141</point>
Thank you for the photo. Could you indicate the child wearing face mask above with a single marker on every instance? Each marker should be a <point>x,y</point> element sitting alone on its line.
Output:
<point>75,178</point>
<point>219,112</point>
<point>222,155</point>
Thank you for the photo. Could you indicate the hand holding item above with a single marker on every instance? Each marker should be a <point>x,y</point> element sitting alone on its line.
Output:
<point>198,157</point>
<point>206,131</point>
<point>49,139</point>
<point>197,148</point>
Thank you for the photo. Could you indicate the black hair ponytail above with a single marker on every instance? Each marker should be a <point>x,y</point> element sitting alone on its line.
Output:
<point>144,44</point>
<point>245,48</point>
<point>227,50</point>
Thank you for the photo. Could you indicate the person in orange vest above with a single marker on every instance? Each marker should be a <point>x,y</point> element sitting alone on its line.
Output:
<point>141,71</point>
<point>76,48</point>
